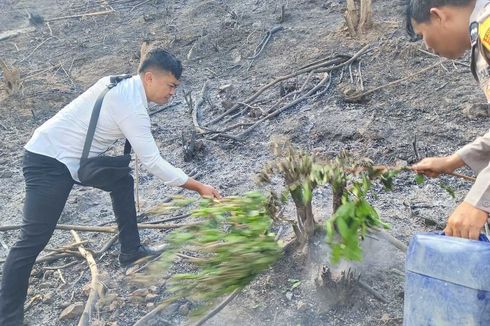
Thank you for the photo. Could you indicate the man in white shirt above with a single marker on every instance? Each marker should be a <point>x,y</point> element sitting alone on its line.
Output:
<point>52,160</point>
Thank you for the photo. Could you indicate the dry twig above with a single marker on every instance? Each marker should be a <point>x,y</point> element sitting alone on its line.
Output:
<point>359,96</point>
<point>101,229</point>
<point>338,62</point>
<point>258,50</point>
<point>179,217</point>
<point>437,56</point>
<point>139,5</point>
<point>145,320</point>
<point>96,288</point>
<point>195,109</point>
<point>395,242</point>
<point>137,183</point>
<point>55,255</point>
<point>372,291</point>
<point>284,108</point>
<point>386,168</point>
<point>218,308</point>
<point>98,13</point>
<point>47,268</point>
<point>165,108</point>
<point>3,126</point>
<point>107,245</point>
<point>52,257</point>
<point>39,72</point>
<point>37,47</point>
<point>8,34</point>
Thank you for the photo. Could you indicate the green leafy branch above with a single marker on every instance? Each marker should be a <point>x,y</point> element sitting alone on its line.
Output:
<point>352,220</point>
<point>227,250</point>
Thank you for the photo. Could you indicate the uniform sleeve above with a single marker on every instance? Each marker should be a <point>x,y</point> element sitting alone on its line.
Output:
<point>136,127</point>
<point>479,194</point>
<point>476,154</point>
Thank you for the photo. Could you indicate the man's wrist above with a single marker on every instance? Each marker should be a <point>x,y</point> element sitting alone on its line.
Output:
<point>454,162</point>
<point>192,184</point>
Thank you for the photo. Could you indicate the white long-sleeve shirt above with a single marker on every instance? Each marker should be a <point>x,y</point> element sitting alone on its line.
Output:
<point>123,115</point>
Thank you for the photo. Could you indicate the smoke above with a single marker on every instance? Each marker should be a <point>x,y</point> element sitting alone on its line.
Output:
<point>379,257</point>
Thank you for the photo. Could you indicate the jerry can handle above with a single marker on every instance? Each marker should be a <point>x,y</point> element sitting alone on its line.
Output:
<point>483,237</point>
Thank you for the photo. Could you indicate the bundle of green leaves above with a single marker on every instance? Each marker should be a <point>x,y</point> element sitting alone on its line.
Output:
<point>230,246</point>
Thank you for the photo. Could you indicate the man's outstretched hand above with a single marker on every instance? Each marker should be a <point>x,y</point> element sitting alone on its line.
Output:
<point>434,166</point>
<point>206,191</point>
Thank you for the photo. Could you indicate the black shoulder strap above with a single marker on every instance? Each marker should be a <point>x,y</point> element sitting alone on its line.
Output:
<point>474,47</point>
<point>473,62</point>
<point>114,80</point>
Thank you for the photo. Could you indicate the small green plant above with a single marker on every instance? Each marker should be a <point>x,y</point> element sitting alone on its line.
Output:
<point>350,180</point>
<point>352,220</point>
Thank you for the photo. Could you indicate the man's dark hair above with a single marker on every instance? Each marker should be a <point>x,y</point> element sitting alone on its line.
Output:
<point>161,59</point>
<point>419,11</point>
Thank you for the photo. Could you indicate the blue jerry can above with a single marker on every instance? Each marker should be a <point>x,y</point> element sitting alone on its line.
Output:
<point>447,281</point>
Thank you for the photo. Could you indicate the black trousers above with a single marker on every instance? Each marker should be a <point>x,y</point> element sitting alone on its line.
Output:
<point>48,184</point>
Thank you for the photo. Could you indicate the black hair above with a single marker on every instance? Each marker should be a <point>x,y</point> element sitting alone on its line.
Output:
<point>419,11</point>
<point>161,59</point>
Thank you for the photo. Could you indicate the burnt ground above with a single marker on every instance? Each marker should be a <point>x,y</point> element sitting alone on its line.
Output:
<point>214,40</point>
